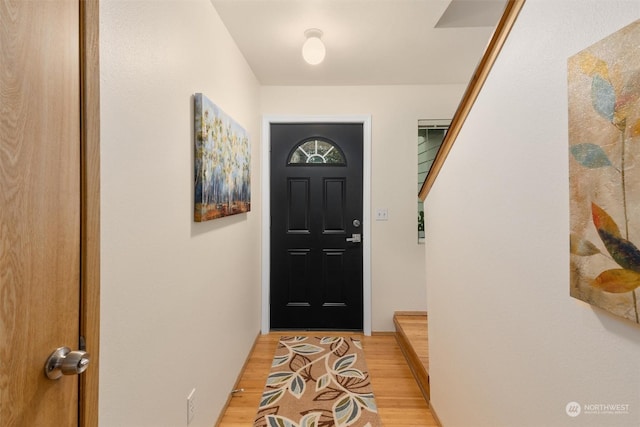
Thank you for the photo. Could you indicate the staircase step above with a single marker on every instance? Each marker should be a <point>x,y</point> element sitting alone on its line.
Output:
<point>411,333</point>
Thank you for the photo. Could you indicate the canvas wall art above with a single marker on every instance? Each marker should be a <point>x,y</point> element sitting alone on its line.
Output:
<point>222,163</point>
<point>604,169</point>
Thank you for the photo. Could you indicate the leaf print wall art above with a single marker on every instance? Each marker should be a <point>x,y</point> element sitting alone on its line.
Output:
<point>604,173</point>
<point>222,156</point>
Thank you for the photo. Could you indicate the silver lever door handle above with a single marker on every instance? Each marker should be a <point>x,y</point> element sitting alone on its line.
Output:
<point>63,361</point>
<point>355,238</point>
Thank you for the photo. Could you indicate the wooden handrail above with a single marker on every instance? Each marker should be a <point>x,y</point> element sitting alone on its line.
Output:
<point>500,34</point>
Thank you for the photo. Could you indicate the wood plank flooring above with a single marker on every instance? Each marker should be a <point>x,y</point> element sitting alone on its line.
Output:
<point>400,401</point>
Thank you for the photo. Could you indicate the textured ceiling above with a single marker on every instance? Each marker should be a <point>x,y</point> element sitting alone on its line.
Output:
<point>368,42</point>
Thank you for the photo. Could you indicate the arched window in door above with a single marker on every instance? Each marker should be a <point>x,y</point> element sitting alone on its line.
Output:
<point>317,151</point>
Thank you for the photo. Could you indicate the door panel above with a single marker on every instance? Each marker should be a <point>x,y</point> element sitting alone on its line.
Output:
<point>298,205</point>
<point>316,275</point>
<point>333,272</point>
<point>299,280</point>
<point>40,208</point>
<point>334,205</point>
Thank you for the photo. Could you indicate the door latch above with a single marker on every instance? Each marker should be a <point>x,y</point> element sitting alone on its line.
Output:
<point>63,361</point>
<point>355,238</point>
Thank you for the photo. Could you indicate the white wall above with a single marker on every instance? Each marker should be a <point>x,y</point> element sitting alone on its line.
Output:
<point>508,345</point>
<point>180,300</point>
<point>398,267</point>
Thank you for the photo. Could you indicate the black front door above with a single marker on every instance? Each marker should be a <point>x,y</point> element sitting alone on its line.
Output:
<point>316,215</point>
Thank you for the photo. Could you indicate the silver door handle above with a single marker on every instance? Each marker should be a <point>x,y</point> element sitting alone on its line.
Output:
<point>63,361</point>
<point>355,238</point>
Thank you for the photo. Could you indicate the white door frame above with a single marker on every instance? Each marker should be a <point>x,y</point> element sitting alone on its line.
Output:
<point>366,208</point>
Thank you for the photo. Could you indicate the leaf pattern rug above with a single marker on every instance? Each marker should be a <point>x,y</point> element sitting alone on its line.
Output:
<point>318,382</point>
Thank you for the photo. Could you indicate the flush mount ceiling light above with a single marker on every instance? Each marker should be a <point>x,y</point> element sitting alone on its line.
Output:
<point>313,50</point>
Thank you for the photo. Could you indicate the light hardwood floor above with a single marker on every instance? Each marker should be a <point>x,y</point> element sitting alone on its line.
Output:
<point>400,402</point>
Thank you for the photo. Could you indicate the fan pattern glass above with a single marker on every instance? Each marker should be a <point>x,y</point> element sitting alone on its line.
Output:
<point>317,151</point>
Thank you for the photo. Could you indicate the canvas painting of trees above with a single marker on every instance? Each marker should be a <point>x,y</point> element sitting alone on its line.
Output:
<point>604,173</point>
<point>221,163</point>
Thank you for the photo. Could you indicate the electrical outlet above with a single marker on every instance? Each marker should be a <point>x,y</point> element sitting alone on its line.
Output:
<point>191,406</point>
<point>382,214</point>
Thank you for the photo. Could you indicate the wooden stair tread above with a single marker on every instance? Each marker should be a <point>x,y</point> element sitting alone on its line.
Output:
<point>412,336</point>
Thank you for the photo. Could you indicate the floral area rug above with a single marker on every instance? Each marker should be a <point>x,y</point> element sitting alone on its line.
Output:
<point>318,382</point>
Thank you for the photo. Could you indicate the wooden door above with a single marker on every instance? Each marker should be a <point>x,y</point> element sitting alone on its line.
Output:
<point>316,209</point>
<point>40,199</point>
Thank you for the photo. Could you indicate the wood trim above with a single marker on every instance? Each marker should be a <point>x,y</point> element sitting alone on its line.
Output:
<point>410,313</point>
<point>435,415</point>
<point>503,28</point>
<point>236,385</point>
<point>382,333</point>
<point>90,207</point>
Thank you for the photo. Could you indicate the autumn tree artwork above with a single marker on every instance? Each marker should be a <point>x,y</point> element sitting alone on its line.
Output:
<point>222,163</point>
<point>604,173</point>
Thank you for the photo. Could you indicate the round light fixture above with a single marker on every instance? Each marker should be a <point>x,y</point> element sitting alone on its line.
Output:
<point>313,50</point>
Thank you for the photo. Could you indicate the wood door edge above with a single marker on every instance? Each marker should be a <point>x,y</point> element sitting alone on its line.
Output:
<point>90,208</point>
